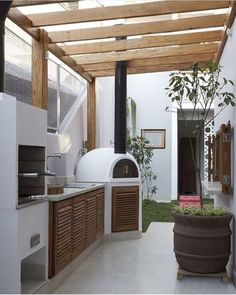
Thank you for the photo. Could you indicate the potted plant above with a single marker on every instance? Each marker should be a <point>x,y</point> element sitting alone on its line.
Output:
<point>201,235</point>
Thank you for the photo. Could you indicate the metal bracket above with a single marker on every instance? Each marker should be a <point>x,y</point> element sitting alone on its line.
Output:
<point>229,32</point>
<point>226,179</point>
<point>46,55</point>
<point>226,137</point>
<point>214,172</point>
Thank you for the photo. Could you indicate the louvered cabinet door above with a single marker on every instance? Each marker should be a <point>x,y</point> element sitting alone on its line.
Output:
<point>79,224</point>
<point>63,234</point>
<point>125,208</point>
<point>91,224</point>
<point>100,212</point>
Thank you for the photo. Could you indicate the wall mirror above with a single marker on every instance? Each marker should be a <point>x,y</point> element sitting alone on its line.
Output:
<point>156,137</point>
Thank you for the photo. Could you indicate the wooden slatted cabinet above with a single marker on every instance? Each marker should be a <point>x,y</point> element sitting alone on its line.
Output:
<point>125,208</point>
<point>74,224</point>
<point>79,225</point>
<point>63,234</point>
<point>100,212</point>
<point>91,224</point>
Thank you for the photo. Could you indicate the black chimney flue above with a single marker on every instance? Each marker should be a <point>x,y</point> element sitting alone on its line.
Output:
<point>120,106</point>
<point>4,8</point>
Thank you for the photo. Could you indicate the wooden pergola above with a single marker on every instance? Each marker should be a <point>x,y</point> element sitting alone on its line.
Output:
<point>152,39</point>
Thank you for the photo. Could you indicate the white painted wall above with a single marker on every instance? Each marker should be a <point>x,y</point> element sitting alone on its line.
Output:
<point>71,138</point>
<point>148,91</point>
<point>228,62</point>
<point>105,91</point>
<point>26,125</point>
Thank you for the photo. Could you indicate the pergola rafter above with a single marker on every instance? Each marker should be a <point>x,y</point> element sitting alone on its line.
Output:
<point>161,35</point>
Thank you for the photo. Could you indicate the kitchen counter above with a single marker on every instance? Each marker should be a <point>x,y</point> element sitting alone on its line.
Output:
<point>74,191</point>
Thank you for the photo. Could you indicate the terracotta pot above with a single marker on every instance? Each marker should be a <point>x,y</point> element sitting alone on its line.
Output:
<point>202,243</point>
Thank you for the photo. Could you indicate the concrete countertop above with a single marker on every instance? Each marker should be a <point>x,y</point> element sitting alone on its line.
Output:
<point>70,192</point>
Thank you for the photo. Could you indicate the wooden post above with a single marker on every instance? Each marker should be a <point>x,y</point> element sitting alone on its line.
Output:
<point>226,158</point>
<point>91,116</point>
<point>40,71</point>
<point>213,157</point>
<point>209,158</point>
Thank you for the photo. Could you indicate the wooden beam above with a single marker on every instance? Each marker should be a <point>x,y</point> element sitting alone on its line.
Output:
<point>148,69</point>
<point>124,11</point>
<point>153,61</point>
<point>20,3</point>
<point>91,116</point>
<point>23,22</point>
<point>40,71</point>
<point>99,66</point>
<point>228,24</point>
<point>139,29</point>
<point>70,62</point>
<point>189,58</point>
<point>144,42</point>
<point>146,53</point>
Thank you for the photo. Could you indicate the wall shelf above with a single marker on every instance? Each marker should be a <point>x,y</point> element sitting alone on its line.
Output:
<point>213,187</point>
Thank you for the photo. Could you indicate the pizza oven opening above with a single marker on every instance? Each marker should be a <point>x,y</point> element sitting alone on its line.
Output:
<point>125,168</point>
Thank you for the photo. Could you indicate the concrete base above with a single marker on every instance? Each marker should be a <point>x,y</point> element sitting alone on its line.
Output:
<point>121,236</point>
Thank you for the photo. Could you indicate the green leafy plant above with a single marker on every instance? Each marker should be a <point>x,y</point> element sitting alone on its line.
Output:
<point>200,87</point>
<point>205,210</point>
<point>143,154</point>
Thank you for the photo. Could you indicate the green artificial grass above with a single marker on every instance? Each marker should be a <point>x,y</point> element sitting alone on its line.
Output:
<point>159,212</point>
<point>153,211</point>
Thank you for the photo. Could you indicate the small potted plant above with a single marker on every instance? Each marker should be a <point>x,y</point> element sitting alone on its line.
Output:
<point>201,235</point>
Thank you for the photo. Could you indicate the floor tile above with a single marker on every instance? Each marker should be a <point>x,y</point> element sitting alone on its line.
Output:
<point>141,266</point>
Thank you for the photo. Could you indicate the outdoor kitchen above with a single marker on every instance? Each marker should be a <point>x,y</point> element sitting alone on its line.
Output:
<point>72,197</point>
<point>57,213</point>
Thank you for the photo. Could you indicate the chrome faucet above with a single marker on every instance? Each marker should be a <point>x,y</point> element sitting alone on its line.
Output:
<point>57,155</point>
<point>83,150</point>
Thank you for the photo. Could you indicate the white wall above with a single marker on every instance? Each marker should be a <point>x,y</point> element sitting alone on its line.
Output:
<point>105,111</point>
<point>72,137</point>
<point>19,124</point>
<point>228,62</point>
<point>148,91</point>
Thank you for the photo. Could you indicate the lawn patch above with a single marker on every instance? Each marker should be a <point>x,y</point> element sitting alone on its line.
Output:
<point>159,212</point>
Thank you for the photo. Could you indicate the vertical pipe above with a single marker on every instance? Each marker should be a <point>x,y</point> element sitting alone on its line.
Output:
<point>120,106</point>
<point>4,8</point>
<point>2,61</point>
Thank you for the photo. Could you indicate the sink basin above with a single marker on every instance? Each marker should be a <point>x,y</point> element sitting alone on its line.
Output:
<point>79,185</point>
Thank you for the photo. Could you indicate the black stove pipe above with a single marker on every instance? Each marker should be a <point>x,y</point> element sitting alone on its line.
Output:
<point>4,8</point>
<point>120,106</point>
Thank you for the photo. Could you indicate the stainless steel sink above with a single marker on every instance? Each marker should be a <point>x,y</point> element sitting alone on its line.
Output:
<point>79,185</point>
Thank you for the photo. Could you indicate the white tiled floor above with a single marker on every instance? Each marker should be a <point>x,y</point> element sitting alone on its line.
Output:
<point>146,265</point>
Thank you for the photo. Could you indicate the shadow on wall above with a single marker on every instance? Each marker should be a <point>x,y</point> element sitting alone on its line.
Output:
<point>71,140</point>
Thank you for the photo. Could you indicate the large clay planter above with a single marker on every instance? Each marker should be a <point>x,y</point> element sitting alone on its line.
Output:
<point>202,243</point>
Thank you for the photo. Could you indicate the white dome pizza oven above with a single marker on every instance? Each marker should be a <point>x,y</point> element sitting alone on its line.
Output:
<point>121,176</point>
<point>118,170</point>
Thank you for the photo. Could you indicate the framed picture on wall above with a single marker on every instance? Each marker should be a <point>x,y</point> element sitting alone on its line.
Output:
<point>156,137</point>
